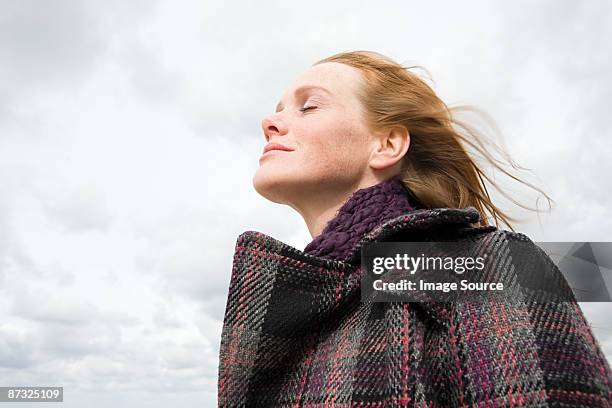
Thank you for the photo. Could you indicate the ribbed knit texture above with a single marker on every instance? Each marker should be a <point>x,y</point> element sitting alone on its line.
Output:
<point>360,214</point>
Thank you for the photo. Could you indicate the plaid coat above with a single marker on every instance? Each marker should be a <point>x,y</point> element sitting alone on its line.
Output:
<point>295,334</point>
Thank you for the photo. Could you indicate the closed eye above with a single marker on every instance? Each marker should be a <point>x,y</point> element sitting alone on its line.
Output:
<point>304,109</point>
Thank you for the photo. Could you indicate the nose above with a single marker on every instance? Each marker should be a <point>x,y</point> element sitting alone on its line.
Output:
<point>272,126</point>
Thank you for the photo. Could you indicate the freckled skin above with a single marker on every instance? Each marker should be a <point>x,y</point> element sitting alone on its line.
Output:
<point>334,149</point>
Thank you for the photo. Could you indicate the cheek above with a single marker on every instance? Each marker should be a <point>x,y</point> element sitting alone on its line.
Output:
<point>335,148</point>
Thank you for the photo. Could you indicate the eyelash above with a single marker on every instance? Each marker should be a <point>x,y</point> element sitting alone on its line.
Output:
<point>307,108</point>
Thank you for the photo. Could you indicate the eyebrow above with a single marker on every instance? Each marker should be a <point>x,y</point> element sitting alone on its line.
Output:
<point>303,89</point>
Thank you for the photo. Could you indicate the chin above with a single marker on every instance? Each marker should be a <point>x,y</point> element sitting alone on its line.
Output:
<point>272,185</point>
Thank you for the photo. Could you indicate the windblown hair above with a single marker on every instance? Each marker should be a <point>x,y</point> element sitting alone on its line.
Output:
<point>437,167</point>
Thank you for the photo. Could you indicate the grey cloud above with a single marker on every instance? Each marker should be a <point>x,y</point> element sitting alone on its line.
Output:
<point>165,317</point>
<point>53,47</point>
<point>48,43</point>
<point>78,211</point>
<point>15,351</point>
<point>214,305</point>
<point>155,82</point>
<point>42,307</point>
<point>48,307</point>
<point>74,342</point>
<point>12,253</point>
<point>54,44</point>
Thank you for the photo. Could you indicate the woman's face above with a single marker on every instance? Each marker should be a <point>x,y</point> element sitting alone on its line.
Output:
<point>324,127</point>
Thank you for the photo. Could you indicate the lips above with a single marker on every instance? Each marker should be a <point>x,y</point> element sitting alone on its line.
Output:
<point>276,146</point>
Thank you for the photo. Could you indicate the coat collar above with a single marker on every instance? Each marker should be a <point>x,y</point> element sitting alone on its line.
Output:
<point>422,224</point>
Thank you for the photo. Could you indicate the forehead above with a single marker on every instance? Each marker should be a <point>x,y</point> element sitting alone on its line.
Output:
<point>331,78</point>
<point>329,74</point>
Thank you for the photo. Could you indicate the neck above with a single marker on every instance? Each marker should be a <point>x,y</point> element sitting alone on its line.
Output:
<point>322,207</point>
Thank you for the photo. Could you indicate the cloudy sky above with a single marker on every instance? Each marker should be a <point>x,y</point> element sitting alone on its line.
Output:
<point>130,132</point>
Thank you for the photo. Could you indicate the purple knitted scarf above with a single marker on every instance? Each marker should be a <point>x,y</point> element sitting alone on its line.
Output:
<point>361,213</point>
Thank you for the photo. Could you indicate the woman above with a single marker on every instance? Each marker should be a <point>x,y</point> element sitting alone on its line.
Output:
<point>365,151</point>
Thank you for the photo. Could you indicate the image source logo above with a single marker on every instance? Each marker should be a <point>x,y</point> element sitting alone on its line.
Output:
<point>518,271</point>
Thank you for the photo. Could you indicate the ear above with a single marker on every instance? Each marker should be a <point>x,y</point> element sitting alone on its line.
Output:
<point>389,147</point>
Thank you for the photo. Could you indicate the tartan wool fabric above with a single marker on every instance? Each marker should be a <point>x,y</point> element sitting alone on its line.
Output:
<point>296,333</point>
